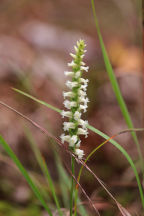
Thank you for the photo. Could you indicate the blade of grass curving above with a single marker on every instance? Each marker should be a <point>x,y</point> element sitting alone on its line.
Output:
<point>123,151</point>
<point>24,173</point>
<point>37,100</point>
<point>116,88</point>
<point>43,130</point>
<point>98,147</point>
<point>102,184</point>
<point>43,167</point>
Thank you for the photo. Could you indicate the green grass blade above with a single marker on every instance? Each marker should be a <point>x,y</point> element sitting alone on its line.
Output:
<point>72,191</point>
<point>37,100</point>
<point>130,160</point>
<point>24,173</point>
<point>126,155</point>
<point>123,151</point>
<point>64,180</point>
<point>118,146</point>
<point>115,86</point>
<point>66,183</point>
<point>52,187</point>
<point>40,186</point>
<point>43,167</point>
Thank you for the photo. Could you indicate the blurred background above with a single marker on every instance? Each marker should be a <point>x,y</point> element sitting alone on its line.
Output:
<point>36,37</point>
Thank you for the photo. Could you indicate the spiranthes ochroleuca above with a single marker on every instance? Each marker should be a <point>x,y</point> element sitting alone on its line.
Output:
<point>75,101</point>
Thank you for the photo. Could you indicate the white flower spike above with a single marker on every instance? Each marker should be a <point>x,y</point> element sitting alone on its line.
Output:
<point>76,101</point>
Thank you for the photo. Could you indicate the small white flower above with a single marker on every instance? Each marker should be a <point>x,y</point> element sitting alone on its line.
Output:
<point>69,104</point>
<point>77,74</point>
<point>68,94</point>
<point>71,85</point>
<point>84,87</point>
<point>78,42</point>
<point>77,115</point>
<point>81,93</point>
<point>82,56</point>
<point>84,68</point>
<point>68,73</point>
<point>73,55</point>
<point>64,138</point>
<point>86,101</point>
<point>78,144</point>
<point>79,153</point>
<point>73,140</point>
<point>66,114</point>
<point>84,107</point>
<point>83,123</point>
<point>82,63</point>
<point>76,49</point>
<point>83,100</point>
<point>68,125</point>
<point>72,64</point>
<point>85,81</point>
<point>82,131</point>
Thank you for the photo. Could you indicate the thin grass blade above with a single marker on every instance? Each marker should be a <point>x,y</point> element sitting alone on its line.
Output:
<point>64,182</point>
<point>116,88</point>
<point>37,100</point>
<point>123,210</point>
<point>126,155</point>
<point>43,167</point>
<point>24,173</point>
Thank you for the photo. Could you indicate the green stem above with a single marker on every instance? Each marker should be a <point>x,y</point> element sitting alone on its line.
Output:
<point>72,185</point>
<point>76,198</point>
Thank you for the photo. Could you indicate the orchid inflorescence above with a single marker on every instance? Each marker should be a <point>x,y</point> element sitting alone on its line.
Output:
<point>75,101</point>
